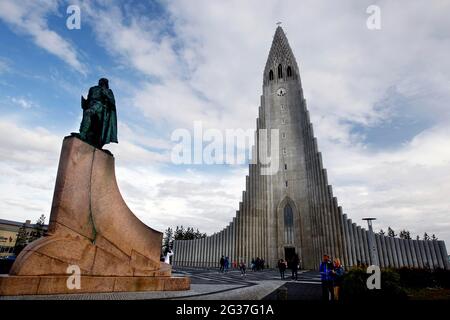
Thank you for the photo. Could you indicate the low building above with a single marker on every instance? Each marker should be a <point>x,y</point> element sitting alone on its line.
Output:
<point>9,231</point>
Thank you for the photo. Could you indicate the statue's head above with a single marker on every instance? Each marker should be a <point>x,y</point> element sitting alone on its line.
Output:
<point>103,82</point>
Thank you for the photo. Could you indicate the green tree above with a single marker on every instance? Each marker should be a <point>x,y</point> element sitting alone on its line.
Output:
<point>39,228</point>
<point>405,234</point>
<point>199,235</point>
<point>179,233</point>
<point>391,232</point>
<point>22,239</point>
<point>189,234</point>
<point>167,239</point>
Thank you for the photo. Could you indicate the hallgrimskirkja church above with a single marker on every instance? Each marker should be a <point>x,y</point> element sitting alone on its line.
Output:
<point>293,211</point>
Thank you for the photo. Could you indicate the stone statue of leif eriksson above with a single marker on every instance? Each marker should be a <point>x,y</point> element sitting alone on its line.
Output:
<point>99,124</point>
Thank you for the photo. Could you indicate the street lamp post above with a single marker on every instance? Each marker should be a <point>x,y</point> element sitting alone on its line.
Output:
<point>372,244</point>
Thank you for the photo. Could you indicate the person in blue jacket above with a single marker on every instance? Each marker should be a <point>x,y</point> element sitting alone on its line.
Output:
<point>338,276</point>
<point>326,275</point>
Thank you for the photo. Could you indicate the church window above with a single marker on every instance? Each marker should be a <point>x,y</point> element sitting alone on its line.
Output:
<point>270,75</point>
<point>288,224</point>
<point>285,166</point>
<point>283,135</point>
<point>280,71</point>
<point>284,151</point>
<point>289,72</point>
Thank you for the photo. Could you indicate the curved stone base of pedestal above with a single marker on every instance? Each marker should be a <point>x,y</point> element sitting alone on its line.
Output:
<point>39,285</point>
<point>91,228</point>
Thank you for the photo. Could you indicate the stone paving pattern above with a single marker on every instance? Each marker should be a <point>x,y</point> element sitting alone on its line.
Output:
<point>210,284</point>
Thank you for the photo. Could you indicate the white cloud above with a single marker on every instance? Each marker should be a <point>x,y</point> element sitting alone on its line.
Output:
<point>23,102</point>
<point>29,17</point>
<point>190,198</point>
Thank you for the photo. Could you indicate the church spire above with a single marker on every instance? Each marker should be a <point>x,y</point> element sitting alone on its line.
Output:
<point>281,63</point>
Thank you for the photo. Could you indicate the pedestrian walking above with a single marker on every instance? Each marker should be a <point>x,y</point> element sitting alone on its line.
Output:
<point>227,264</point>
<point>242,268</point>
<point>281,267</point>
<point>222,264</point>
<point>294,267</point>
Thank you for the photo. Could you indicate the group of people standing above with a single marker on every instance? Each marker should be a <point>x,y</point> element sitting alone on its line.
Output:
<point>293,264</point>
<point>224,264</point>
<point>331,273</point>
<point>257,264</point>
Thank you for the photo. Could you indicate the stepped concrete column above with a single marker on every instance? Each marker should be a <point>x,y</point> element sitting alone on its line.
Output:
<point>241,231</point>
<point>412,250</point>
<point>189,257</point>
<point>200,253</point>
<point>205,252</point>
<point>221,253</point>
<point>186,250</point>
<point>373,252</point>
<point>393,247</point>
<point>391,251</point>
<point>195,256</point>
<point>355,242</point>
<point>438,254</point>
<point>225,241</point>
<point>428,254</point>
<point>352,242</point>
<point>402,259</point>
<point>208,251</point>
<point>349,259</point>
<point>407,252</point>
<point>388,251</point>
<point>182,252</point>
<point>361,244</point>
<point>239,237</point>
<point>432,254</point>
<point>228,248</point>
<point>213,250</point>
<point>194,252</point>
<point>379,252</point>
<point>418,253</point>
<point>365,235</point>
<point>444,254</point>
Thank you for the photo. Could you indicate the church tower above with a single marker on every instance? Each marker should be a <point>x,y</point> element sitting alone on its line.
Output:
<point>292,211</point>
<point>284,110</point>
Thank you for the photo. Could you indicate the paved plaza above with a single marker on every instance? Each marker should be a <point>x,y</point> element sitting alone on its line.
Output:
<point>210,284</point>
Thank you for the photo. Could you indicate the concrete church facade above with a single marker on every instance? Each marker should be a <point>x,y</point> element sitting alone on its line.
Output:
<point>294,211</point>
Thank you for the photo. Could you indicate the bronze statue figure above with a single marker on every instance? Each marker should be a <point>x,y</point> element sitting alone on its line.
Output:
<point>99,124</point>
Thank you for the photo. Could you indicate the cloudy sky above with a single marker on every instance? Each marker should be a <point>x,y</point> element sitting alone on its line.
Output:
<point>379,101</point>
